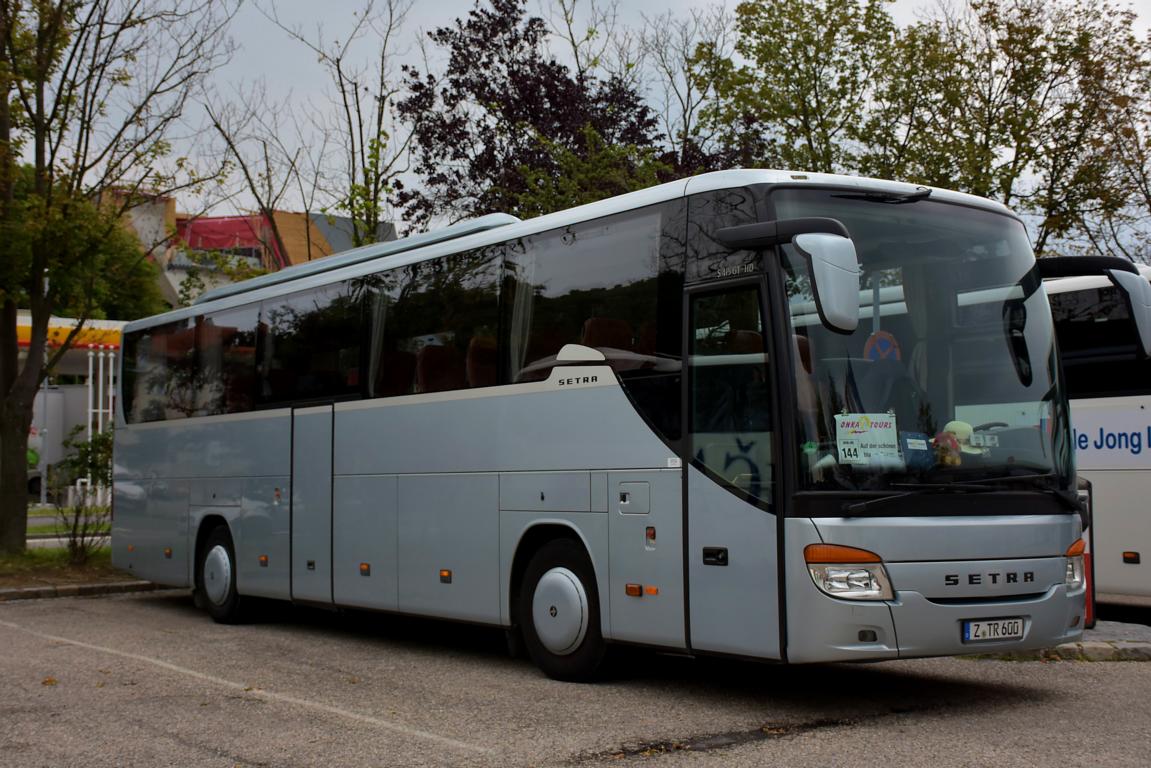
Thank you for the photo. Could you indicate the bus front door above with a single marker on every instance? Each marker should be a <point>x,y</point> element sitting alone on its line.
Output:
<point>312,504</point>
<point>733,598</point>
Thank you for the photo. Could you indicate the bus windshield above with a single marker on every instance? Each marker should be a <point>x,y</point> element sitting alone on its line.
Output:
<point>952,374</point>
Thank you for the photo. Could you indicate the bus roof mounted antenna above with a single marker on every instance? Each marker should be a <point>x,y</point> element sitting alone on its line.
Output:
<point>365,253</point>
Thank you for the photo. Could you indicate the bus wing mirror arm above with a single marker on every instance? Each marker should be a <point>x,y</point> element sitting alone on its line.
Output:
<point>1135,288</point>
<point>767,234</point>
<point>832,262</point>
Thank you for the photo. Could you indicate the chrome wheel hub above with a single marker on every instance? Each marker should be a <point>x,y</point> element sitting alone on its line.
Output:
<point>217,575</point>
<point>560,611</point>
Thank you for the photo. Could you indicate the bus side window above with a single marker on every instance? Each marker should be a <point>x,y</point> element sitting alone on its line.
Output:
<point>433,325</point>
<point>731,421</point>
<point>159,373</point>
<point>595,284</point>
<point>311,349</point>
<point>226,353</point>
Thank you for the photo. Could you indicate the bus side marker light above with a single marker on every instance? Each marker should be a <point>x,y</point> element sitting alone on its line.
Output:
<point>167,553</point>
<point>633,590</point>
<point>263,561</point>
<point>131,547</point>
<point>1131,558</point>
<point>365,569</point>
<point>445,576</point>
<point>1075,577</point>
<point>650,590</point>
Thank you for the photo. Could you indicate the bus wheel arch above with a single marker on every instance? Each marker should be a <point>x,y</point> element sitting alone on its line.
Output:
<point>556,603</point>
<point>215,554</point>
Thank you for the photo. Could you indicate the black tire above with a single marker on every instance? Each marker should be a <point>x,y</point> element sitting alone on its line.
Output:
<point>579,660</point>
<point>216,592</point>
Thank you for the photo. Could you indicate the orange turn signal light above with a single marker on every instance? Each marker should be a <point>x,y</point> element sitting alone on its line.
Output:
<point>365,569</point>
<point>445,576</point>
<point>131,547</point>
<point>650,590</point>
<point>633,590</point>
<point>1077,549</point>
<point>263,561</point>
<point>168,553</point>
<point>836,553</point>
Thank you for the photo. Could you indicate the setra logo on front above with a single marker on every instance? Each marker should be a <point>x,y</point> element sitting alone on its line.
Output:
<point>995,577</point>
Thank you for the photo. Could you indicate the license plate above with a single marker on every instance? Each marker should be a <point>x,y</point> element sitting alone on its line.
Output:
<point>992,629</point>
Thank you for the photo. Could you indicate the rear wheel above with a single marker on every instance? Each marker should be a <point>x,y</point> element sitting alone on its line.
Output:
<point>216,577</point>
<point>559,611</point>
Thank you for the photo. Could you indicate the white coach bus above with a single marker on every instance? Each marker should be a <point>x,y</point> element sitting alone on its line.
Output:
<point>779,416</point>
<point>1109,386</point>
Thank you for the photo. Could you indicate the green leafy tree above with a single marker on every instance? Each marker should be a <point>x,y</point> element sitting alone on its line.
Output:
<point>89,92</point>
<point>797,93</point>
<point>577,177</point>
<point>1012,99</point>
<point>1119,222</point>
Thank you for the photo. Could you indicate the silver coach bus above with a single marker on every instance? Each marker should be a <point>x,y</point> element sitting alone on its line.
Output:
<point>780,416</point>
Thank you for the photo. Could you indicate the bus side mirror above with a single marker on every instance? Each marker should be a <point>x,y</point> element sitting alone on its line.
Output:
<point>1137,291</point>
<point>832,263</point>
<point>1122,273</point>
<point>834,269</point>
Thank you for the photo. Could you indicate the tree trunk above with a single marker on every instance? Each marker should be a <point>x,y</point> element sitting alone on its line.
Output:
<point>18,388</point>
<point>15,420</point>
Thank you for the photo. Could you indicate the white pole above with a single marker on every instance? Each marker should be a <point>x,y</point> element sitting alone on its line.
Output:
<point>111,385</point>
<point>100,400</point>
<point>43,465</point>
<point>91,391</point>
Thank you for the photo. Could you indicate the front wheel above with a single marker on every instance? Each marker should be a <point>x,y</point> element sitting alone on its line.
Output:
<point>216,577</point>
<point>559,610</point>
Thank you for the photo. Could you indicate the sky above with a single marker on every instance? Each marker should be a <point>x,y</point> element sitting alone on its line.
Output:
<point>266,52</point>
<point>291,73</point>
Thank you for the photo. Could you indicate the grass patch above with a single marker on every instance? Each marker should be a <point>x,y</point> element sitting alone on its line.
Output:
<point>48,567</point>
<point>61,529</point>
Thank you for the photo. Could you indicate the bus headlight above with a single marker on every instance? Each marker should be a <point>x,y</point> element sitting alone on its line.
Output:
<point>847,573</point>
<point>1075,578</point>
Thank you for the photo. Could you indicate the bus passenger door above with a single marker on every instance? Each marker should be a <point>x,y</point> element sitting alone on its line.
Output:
<point>733,589</point>
<point>312,504</point>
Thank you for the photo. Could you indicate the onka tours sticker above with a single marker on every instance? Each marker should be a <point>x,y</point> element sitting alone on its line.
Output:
<point>867,438</point>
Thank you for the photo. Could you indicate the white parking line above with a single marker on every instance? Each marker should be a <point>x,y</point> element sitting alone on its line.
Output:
<point>269,695</point>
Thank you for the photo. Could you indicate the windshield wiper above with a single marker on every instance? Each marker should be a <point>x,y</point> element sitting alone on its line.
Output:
<point>1069,499</point>
<point>983,485</point>
<point>917,489</point>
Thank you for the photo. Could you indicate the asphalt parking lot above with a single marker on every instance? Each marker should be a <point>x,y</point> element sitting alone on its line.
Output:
<point>147,680</point>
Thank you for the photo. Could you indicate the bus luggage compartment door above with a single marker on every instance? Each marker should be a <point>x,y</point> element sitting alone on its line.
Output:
<point>312,504</point>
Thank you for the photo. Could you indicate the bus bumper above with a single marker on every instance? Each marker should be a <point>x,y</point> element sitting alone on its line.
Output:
<point>927,628</point>
<point>821,628</point>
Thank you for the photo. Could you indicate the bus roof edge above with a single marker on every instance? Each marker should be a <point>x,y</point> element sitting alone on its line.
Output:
<point>364,253</point>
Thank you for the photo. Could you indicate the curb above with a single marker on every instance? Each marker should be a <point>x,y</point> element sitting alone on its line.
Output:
<point>1110,650</point>
<point>76,590</point>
